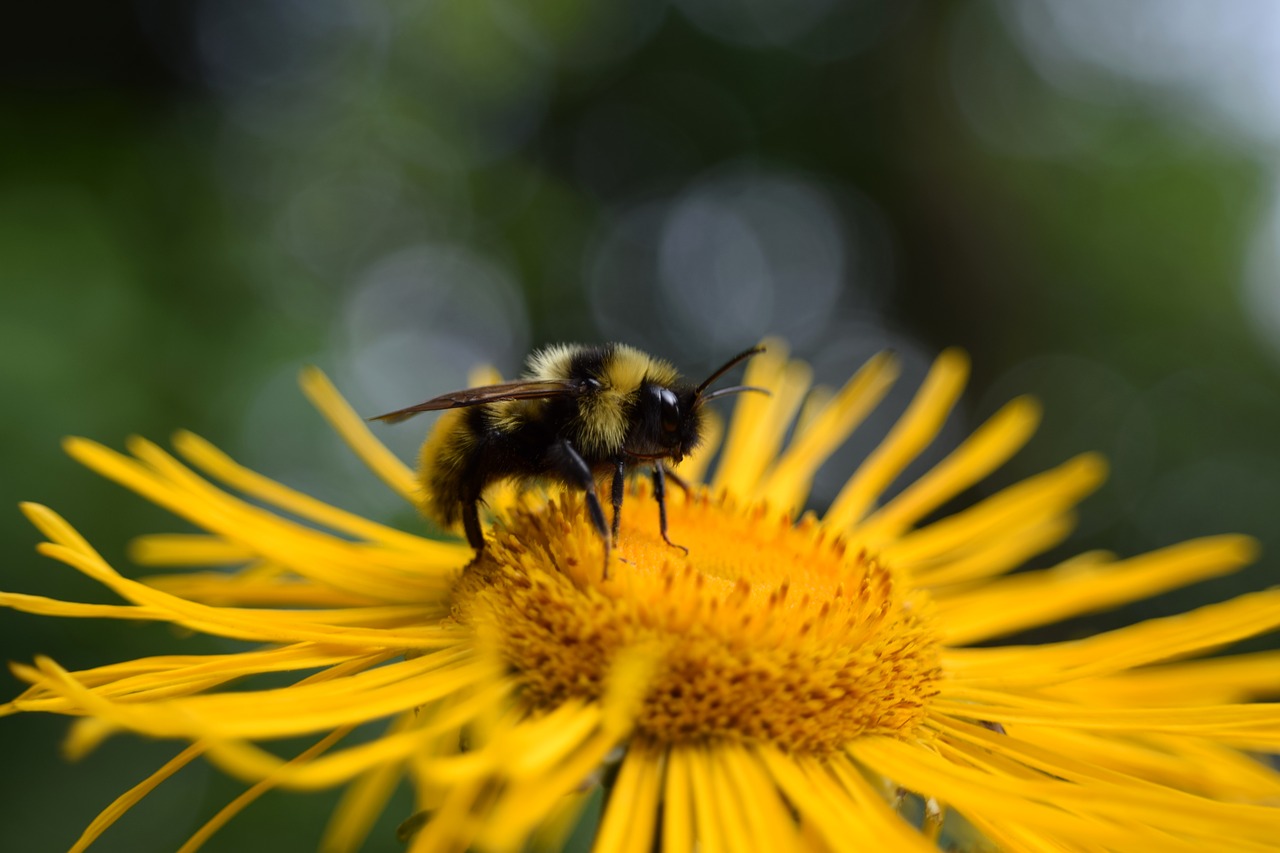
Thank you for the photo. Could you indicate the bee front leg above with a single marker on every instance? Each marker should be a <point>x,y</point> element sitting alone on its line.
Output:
<point>575,470</point>
<point>619,473</point>
<point>471,524</point>
<point>678,480</point>
<point>660,494</point>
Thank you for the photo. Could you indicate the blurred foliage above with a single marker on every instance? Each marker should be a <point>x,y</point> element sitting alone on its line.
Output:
<point>196,199</point>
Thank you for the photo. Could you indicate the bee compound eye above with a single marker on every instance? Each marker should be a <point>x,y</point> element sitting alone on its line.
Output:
<point>670,412</point>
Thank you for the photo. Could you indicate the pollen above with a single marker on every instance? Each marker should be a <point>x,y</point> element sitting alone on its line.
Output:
<point>767,631</point>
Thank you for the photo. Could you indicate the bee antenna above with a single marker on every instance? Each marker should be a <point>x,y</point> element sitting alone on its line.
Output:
<point>726,367</point>
<point>736,389</point>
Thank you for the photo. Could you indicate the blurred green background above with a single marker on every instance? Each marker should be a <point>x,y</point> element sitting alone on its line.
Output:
<point>197,199</point>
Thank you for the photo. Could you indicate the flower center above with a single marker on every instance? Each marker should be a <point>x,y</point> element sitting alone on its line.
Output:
<point>765,631</point>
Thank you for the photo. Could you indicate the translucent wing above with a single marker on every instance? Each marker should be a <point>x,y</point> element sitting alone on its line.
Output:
<point>524,389</point>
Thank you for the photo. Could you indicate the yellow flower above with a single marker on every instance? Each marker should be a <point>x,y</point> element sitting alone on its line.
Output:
<point>809,684</point>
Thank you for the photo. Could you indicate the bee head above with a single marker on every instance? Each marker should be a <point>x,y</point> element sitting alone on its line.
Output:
<point>667,423</point>
<point>668,419</point>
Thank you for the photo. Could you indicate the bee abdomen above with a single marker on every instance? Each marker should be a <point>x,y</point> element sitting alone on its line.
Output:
<point>446,467</point>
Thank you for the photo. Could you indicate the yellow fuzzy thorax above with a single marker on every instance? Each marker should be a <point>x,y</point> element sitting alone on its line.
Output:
<point>604,414</point>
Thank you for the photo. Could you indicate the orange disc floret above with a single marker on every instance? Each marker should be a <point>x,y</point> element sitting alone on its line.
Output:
<point>766,631</point>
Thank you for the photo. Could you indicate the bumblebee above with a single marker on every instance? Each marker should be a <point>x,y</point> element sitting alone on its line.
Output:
<point>580,414</point>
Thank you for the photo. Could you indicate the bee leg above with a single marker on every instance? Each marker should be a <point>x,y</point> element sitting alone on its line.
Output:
<point>619,472</point>
<point>677,479</point>
<point>471,524</point>
<point>575,470</point>
<point>660,494</point>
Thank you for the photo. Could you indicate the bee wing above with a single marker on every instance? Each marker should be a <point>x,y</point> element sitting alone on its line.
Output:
<point>524,389</point>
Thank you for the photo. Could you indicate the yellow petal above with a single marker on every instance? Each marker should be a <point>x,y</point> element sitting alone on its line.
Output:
<point>365,798</point>
<point>112,813</point>
<point>753,415</point>
<point>631,811</point>
<point>353,430</point>
<point>986,449</point>
<point>219,465</point>
<point>187,549</point>
<point>914,431</point>
<point>820,432</point>
<point>1025,504</point>
<point>231,809</point>
<point>1037,598</point>
<point>1152,641</point>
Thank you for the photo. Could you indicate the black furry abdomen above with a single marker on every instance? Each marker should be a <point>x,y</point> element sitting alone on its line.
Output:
<point>469,449</point>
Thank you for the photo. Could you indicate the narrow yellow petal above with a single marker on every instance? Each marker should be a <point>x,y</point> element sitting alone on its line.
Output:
<point>146,674</point>
<point>1024,807</point>
<point>761,803</point>
<point>539,762</point>
<point>252,624</point>
<point>1027,503</point>
<point>250,763</point>
<point>450,717</point>
<point>1153,641</point>
<point>240,803</point>
<point>1036,598</point>
<point>1126,816</point>
<point>679,833</point>
<point>301,709</point>
<point>1188,764</point>
<point>353,430</point>
<point>1010,836</point>
<point>716,830</point>
<point>545,746</point>
<point>385,574</point>
<point>297,709</point>
<point>151,679</point>
<point>862,831</point>
<point>1219,680</point>
<point>54,527</point>
<point>217,464</point>
<point>752,416</point>
<point>918,426</point>
<point>453,826</point>
<point>784,403</point>
<point>552,834</point>
<point>187,549</point>
<point>627,683</point>
<point>1026,755</point>
<point>985,450</point>
<point>422,553</point>
<point>820,432</point>
<point>537,744</point>
<point>365,798</point>
<point>1138,795</point>
<point>112,813</point>
<point>42,606</point>
<point>1226,772</point>
<point>884,821</point>
<point>996,556</point>
<point>245,589</point>
<point>1248,726</point>
<point>815,402</point>
<point>836,821</point>
<point>529,802</point>
<point>631,812</point>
